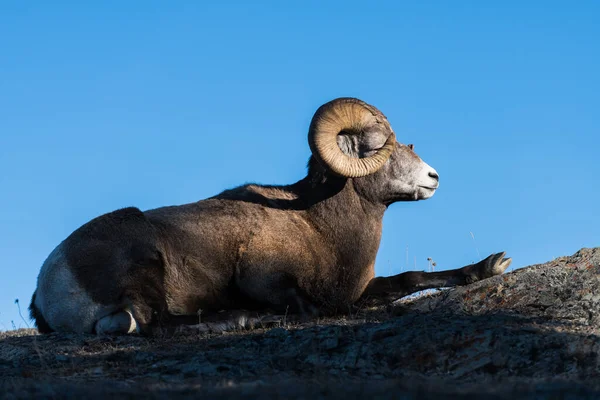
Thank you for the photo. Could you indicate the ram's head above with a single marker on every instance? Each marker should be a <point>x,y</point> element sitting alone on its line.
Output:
<point>353,139</point>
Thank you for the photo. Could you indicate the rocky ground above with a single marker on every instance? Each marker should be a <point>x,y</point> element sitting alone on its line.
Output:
<point>532,333</point>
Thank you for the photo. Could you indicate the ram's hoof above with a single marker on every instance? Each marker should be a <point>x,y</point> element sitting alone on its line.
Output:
<point>494,265</point>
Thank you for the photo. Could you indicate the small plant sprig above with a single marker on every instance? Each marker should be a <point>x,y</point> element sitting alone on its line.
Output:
<point>432,264</point>
<point>21,315</point>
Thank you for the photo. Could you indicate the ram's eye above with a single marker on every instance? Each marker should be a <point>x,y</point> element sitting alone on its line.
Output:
<point>412,147</point>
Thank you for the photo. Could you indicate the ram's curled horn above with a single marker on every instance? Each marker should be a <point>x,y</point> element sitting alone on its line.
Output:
<point>352,116</point>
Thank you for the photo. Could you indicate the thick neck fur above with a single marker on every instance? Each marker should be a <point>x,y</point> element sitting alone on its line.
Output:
<point>336,205</point>
<point>352,223</point>
<point>333,200</point>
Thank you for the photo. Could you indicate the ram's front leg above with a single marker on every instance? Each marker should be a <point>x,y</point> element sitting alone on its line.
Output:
<point>384,290</point>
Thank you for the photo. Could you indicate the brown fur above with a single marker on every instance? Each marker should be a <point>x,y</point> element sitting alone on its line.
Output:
<point>306,246</point>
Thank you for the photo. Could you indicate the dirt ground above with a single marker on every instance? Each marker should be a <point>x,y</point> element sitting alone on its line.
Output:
<point>532,333</point>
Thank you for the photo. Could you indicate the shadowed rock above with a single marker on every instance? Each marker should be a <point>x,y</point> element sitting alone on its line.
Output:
<point>534,332</point>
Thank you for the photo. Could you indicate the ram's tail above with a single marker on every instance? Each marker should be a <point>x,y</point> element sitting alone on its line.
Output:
<point>37,316</point>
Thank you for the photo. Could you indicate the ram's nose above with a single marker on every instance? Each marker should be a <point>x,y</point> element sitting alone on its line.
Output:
<point>435,178</point>
<point>433,174</point>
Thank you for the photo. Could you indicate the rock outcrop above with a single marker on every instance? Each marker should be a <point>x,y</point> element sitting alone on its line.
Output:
<point>534,332</point>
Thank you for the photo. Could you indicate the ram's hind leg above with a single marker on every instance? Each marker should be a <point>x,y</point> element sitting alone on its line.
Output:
<point>137,317</point>
<point>384,290</point>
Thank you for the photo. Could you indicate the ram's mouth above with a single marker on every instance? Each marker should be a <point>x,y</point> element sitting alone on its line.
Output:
<point>429,187</point>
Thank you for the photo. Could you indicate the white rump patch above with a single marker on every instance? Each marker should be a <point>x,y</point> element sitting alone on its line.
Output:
<point>66,307</point>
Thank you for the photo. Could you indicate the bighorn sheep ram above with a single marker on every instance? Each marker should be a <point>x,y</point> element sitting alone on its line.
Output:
<point>304,248</point>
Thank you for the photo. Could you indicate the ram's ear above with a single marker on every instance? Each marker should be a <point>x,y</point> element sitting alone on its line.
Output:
<point>362,145</point>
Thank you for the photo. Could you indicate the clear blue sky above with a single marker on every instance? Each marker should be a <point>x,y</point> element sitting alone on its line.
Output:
<point>151,103</point>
